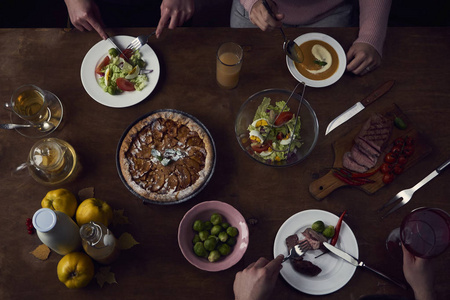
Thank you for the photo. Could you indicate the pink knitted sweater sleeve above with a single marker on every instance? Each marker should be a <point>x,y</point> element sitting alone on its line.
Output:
<point>373,20</point>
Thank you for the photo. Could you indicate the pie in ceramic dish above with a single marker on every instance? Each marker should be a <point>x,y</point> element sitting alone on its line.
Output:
<point>166,157</point>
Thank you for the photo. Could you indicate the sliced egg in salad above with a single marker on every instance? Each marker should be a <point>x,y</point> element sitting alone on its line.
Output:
<point>107,76</point>
<point>256,136</point>
<point>133,73</point>
<point>260,122</point>
<point>286,140</point>
<point>267,152</point>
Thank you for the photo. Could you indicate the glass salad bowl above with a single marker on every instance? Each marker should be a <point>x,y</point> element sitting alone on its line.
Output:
<point>274,151</point>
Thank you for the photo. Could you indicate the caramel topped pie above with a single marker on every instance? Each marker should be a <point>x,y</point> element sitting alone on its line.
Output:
<point>166,157</point>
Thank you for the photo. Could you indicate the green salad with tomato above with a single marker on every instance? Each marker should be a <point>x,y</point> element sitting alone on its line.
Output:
<point>280,136</point>
<point>118,74</point>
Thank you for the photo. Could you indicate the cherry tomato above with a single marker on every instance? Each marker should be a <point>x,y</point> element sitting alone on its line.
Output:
<point>396,150</point>
<point>390,158</point>
<point>399,141</point>
<point>408,150</point>
<point>280,136</point>
<point>260,147</point>
<point>386,168</point>
<point>124,84</point>
<point>409,141</point>
<point>128,53</point>
<point>388,178</point>
<point>283,118</point>
<point>402,160</point>
<point>101,65</point>
<point>398,169</point>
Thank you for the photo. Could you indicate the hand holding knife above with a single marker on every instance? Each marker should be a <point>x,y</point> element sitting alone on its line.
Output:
<point>352,111</point>
<point>347,257</point>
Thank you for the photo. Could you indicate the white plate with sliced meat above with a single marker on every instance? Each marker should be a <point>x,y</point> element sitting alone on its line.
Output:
<point>335,272</point>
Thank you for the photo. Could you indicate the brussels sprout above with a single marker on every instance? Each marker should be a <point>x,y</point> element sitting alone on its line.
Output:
<point>203,235</point>
<point>224,249</point>
<point>196,239</point>
<point>223,236</point>
<point>208,225</point>
<point>214,256</point>
<point>213,237</point>
<point>328,232</point>
<point>210,244</point>
<point>216,229</point>
<point>318,226</point>
<point>216,219</point>
<point>232,231</point>
<point>231,241</point>
<point>225,225</point>
<point>200,250</point>
<point>113,52</point>
<point>199,225</point>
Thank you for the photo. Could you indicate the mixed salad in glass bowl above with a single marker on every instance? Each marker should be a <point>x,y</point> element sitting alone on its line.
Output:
<point>265,128</point>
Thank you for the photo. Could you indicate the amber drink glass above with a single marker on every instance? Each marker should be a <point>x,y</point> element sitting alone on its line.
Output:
<point>229,63</point>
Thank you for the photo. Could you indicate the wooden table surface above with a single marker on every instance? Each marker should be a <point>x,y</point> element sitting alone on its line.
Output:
<point>416,58</point>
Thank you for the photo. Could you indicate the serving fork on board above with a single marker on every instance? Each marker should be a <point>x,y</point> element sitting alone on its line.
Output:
<point>298,250</point>
<point>139,41</point>
<point>407,194</point>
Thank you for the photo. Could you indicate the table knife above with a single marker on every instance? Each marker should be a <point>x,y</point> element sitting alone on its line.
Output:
<point>118,49</point>
<point>347,257</point>
<point>352,111</point>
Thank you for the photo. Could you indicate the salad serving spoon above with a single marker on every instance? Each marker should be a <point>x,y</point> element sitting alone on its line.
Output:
<point>291,49</point>
<point>44,126</point>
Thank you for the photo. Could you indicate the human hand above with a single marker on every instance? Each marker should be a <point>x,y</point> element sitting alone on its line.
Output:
<point>174,13</point>
<point>85,15</point>
<point>257,281</point>
<point>362,58</point>
<point>419,273</point>
<point>263,19</point>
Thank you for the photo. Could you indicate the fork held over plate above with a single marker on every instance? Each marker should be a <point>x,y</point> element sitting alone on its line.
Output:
<point>298,250</point>
<point>139,41</point>
<point>407,194</point>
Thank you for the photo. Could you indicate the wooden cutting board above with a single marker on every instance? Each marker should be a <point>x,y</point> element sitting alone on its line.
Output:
<point>323,186</point>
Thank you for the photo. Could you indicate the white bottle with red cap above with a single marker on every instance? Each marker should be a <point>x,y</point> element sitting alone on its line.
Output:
<point>57,230</point>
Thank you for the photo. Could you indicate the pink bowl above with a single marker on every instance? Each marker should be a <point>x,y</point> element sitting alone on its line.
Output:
<point>203,211</point>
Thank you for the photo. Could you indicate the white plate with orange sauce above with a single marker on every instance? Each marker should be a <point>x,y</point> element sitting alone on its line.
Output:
<point>89,79</point>
<point>339,53</point>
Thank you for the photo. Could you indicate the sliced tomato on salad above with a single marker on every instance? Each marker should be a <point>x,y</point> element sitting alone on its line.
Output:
<point>284,117</point>
<point>101,65</point>
<point>261,147</point>
<point>127,52</point>
<point>124,84</point>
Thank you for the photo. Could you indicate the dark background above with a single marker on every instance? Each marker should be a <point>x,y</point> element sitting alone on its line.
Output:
<point>53,13</point>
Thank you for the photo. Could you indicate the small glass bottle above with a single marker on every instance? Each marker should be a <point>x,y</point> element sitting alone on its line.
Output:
<point>99,242</point>
<point>57,230</point>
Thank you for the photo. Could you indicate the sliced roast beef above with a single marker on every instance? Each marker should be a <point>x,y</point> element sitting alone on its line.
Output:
<point>305,267</point>
<point>349,163</point>
<point>291,241</point>
<point>315,239</point>
<point>369,143</point>
<point>376,131</point>
<point>361,158</point>
<point>366,148</point>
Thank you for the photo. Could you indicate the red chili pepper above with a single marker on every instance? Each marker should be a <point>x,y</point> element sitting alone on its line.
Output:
<point>364,175</point>
<point>337,228</point>
<point>348,180</point>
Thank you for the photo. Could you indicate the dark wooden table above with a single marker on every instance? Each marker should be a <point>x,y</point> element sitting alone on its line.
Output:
<point>416,58</point>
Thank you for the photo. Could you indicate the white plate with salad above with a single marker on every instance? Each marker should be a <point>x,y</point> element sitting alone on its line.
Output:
<point>91,80</point>
<point>335,271</point>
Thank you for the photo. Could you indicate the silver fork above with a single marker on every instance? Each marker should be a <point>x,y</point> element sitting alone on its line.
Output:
<point>407,194</point>
<point>298,250</point>
<point>139,41</point>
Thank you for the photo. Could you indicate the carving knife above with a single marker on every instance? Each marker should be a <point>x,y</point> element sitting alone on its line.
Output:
<point>352,111</point>
<point>118,49</point>
<point>347,257</point>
